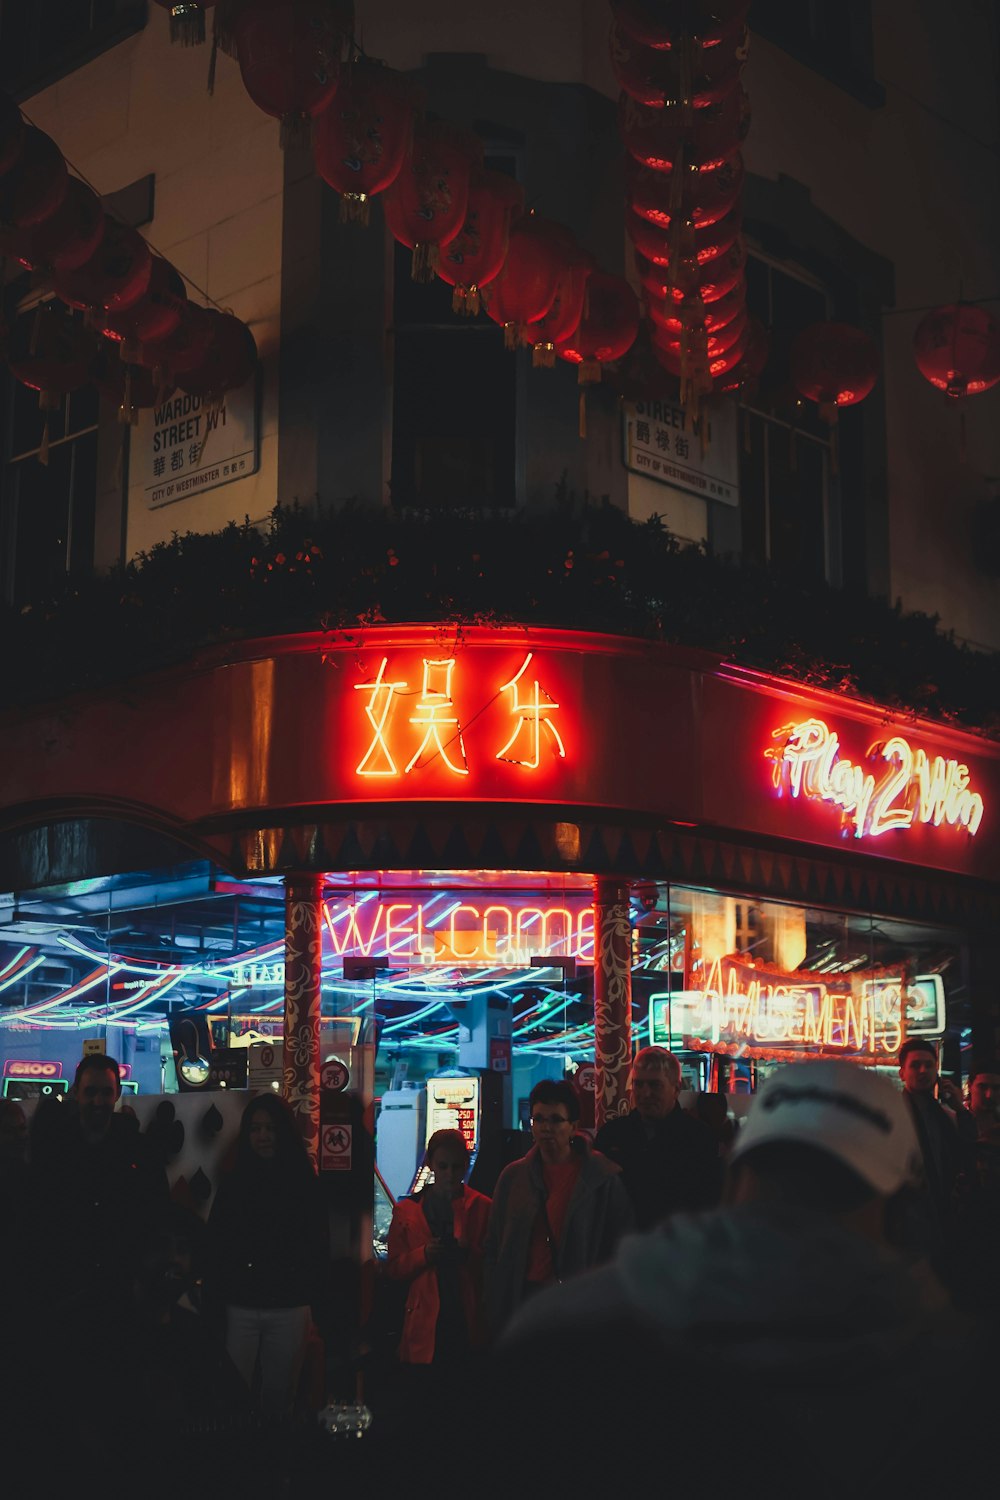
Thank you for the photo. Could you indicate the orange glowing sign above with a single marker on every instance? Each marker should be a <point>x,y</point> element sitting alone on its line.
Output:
<point>19,1068</point>
<point>433,725</point>
<point>912,788</point>
<point>465,934</point>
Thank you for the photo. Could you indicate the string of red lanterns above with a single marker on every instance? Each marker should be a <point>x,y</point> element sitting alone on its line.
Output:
<point>136,310</point>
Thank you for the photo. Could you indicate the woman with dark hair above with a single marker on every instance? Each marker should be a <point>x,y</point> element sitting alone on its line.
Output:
<point>436,1241</point>
<point>269,1252</point>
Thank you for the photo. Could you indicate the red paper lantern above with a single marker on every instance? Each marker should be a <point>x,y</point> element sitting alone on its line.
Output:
<point>477,253</point>
<point>702,197</point>
<point>710,281</point>
<point>12,130</point>
<point>957,349</point>
<point>708,22</point>
<point>289,54</point>
<point>717,342</point>
<point>35,185</point>
<point>66,239</point>
<point>526,287</point>
<point>187,20</point>
<point>675,135</point>
<point>155,316</point>
<point>607,327</point>
<point>183,350</point>
<point>833,364</point>
<point>563,318</point>
<point>228,362</point>
<point>51,353</point>
<point>756,350</point>
<point>685,243</point>
<point>361,141</point>
<point>716,365</point>
<point>657,76</point>
<point>426,206</point>
<point>672,316</point>
<point>115,276</point>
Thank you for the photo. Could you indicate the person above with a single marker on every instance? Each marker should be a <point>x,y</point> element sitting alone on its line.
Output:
<point>928,1221</point>
<point>558,1211</point>
<point>436,1243</point>
<point>96,1189</point>
<point>976,1285</point>
<point>984,1105</point>
<point>757,1329</point>
<point>668,1159</point>
<point>268,1253</point>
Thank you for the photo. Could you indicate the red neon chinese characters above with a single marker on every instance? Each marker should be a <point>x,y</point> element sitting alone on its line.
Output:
<point>532,716</point>
<point>377,710</point>
<point>431,716</point>
<point>912,788</point>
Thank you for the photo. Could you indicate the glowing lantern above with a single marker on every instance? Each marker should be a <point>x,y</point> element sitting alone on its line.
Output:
<point>477,253</point>
<point>833,364</point>
<point>526,287</point>
<point>675,136</point>
<point>656,76</point>
<point>710,22</point>
<point>187,20</point>
<point>607,328</point>
<point>702,197</point>
<point>115,276</point>
<point>717,342</point>
<point>155,316</point>
<point>673,316</point>
<point>710,281</point>
<point>756,349</point>
<point>67,238</point>
<point>228,362</point>
<point>957,349</point>
<point>35,184</point>
<point>683,242</point>
<point>426,206</point>
<point>289,55</point>
<point>361,141</point>
<point>695,364</point>
<point>12,130</point>
<point>563,317</point>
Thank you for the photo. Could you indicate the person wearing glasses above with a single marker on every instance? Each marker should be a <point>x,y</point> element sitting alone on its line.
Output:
<point>558,1211</point>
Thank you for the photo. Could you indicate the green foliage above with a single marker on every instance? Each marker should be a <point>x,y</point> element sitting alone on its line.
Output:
<point>582,567</point>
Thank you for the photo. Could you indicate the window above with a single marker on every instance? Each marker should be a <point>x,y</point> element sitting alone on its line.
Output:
<point>47,509</point>
<point>40,40</point>
<point>454,395</point>
<point>785,462</point>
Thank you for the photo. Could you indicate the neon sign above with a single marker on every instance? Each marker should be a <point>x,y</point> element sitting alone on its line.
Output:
<point>435,727</point>
<point>19,1068</point>
<point>746,1009</point>
<point>913,788</point>
<point>469,935</point>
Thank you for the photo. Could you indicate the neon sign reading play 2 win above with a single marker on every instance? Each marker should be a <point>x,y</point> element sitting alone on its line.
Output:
<point>912,788</point>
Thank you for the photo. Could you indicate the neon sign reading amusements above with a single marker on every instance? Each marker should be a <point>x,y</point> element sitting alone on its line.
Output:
<point>410,727</point>
<point>746,1009</point>
<point>906,786</point>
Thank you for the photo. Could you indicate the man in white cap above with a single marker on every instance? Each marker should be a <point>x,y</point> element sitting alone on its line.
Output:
<point>779,1332</point>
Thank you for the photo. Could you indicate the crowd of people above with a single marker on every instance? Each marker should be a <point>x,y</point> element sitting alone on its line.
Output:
<point>814,1274</point>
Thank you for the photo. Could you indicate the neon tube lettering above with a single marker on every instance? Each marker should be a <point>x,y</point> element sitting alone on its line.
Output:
<point>531,716</point>
<point>379,703</point>
<point>430,716</point>
<point>807,761</point>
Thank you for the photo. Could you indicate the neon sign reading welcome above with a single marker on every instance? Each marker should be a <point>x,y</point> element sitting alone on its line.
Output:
<point>906,786</point>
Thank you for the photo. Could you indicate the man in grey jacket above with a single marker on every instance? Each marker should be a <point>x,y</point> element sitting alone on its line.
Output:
<point>558,1211</point>
<point>778,1336</point>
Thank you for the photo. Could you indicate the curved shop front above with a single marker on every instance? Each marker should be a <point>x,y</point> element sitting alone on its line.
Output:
<point>419,868</point>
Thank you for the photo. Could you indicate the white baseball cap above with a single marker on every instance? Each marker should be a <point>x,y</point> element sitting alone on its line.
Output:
<point>840,1108</point>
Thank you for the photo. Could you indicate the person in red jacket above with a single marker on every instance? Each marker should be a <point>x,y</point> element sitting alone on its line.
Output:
<point>436,1241</point>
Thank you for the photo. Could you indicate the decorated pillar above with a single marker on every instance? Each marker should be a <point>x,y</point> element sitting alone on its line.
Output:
<point>612,997</point>
<point>303,956</point>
